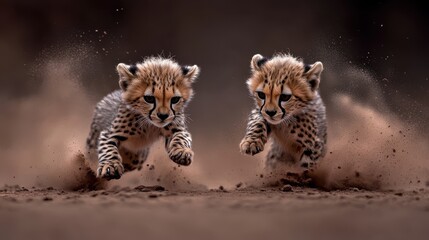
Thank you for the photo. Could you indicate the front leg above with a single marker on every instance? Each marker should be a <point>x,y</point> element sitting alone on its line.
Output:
<point>178,143</point>
<point>256,134</point>
<point>109,160</point>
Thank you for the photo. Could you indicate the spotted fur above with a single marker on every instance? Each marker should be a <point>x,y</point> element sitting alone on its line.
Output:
<point>149,105</point>
<point>288,108</point>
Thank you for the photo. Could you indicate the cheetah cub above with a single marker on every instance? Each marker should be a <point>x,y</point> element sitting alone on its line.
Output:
<point>149,105</point>
<point>288,108</point>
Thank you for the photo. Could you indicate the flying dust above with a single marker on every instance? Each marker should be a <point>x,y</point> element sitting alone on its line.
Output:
<point>368,146</point>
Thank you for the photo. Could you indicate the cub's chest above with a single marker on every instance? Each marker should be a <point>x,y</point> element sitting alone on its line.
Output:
<point>145,138</point>
<point>135,129</point>
<point>299,129</point>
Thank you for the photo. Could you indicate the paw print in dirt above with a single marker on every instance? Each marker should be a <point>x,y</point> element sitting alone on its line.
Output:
<point>111,169</point>
<point>251,146</point>
<point>182,156</point>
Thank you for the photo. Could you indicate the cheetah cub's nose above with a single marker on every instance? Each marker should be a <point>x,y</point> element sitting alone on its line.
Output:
<point>162,116</point>
<point>270,113</point>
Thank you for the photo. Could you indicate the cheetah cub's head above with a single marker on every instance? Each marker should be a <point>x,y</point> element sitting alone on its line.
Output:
<point>158,88</point>
<point>282,85</point>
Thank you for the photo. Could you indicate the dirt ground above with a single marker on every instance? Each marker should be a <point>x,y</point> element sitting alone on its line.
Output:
<point>287,212</point>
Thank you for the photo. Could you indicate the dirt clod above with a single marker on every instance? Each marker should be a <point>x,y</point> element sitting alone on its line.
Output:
<point>155,188</point>
<point>47,199</point>
<point>287,188</point>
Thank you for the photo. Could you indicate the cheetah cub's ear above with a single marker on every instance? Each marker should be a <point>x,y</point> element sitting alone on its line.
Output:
<point>190,73</point>
<point>257,61</point>
<point>126,74</point>
<point>312,73</point>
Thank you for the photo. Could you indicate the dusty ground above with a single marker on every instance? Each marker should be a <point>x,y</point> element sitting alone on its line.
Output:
<point>271,213</point>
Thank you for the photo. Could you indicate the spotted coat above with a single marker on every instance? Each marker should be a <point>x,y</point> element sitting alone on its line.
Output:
<point>150,105</point>
<point>289,110</point>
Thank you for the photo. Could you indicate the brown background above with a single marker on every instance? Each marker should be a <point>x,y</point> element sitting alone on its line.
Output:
<point>385,40</point>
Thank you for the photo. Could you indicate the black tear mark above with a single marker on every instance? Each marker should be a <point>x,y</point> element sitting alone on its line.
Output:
<point>307,67</point>
<point>185,70</point>
<point>280,105</point>
<point>261,62</point>
<point>133,69</point>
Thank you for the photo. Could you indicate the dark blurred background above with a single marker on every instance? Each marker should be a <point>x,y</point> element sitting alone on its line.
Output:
<point>385,39</point>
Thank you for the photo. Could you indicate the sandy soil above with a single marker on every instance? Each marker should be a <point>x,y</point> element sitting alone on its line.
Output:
<point>252,213</point>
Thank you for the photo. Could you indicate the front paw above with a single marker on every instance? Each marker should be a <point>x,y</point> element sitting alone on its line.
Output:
<point>182,156</point>
<point>251,146</point>
<point>110,169</point>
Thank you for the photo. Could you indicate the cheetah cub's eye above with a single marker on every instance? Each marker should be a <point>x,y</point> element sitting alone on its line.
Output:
<point>261,95</point>
<point>175,100</point>
<point>149,99</point>
<point>285,97</point>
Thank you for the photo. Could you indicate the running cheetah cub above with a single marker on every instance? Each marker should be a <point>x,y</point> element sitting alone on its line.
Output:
<point>149,105</point>
<point>288,108</point>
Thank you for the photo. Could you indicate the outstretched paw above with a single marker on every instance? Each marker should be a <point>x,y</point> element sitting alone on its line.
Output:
<point>251,146</point>
<point>110,169</point>
<point>182,156</point>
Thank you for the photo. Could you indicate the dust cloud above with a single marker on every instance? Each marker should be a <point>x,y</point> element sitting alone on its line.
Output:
<point>47,125</point>
<point>368,146</point>
<point>46,146</point>
<point>373,150</point>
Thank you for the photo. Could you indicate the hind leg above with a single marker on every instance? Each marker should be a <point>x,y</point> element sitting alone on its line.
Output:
<point>277,155</point>
<point>312,155</point>
<point>133,160</point>
<point>291,175</point>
